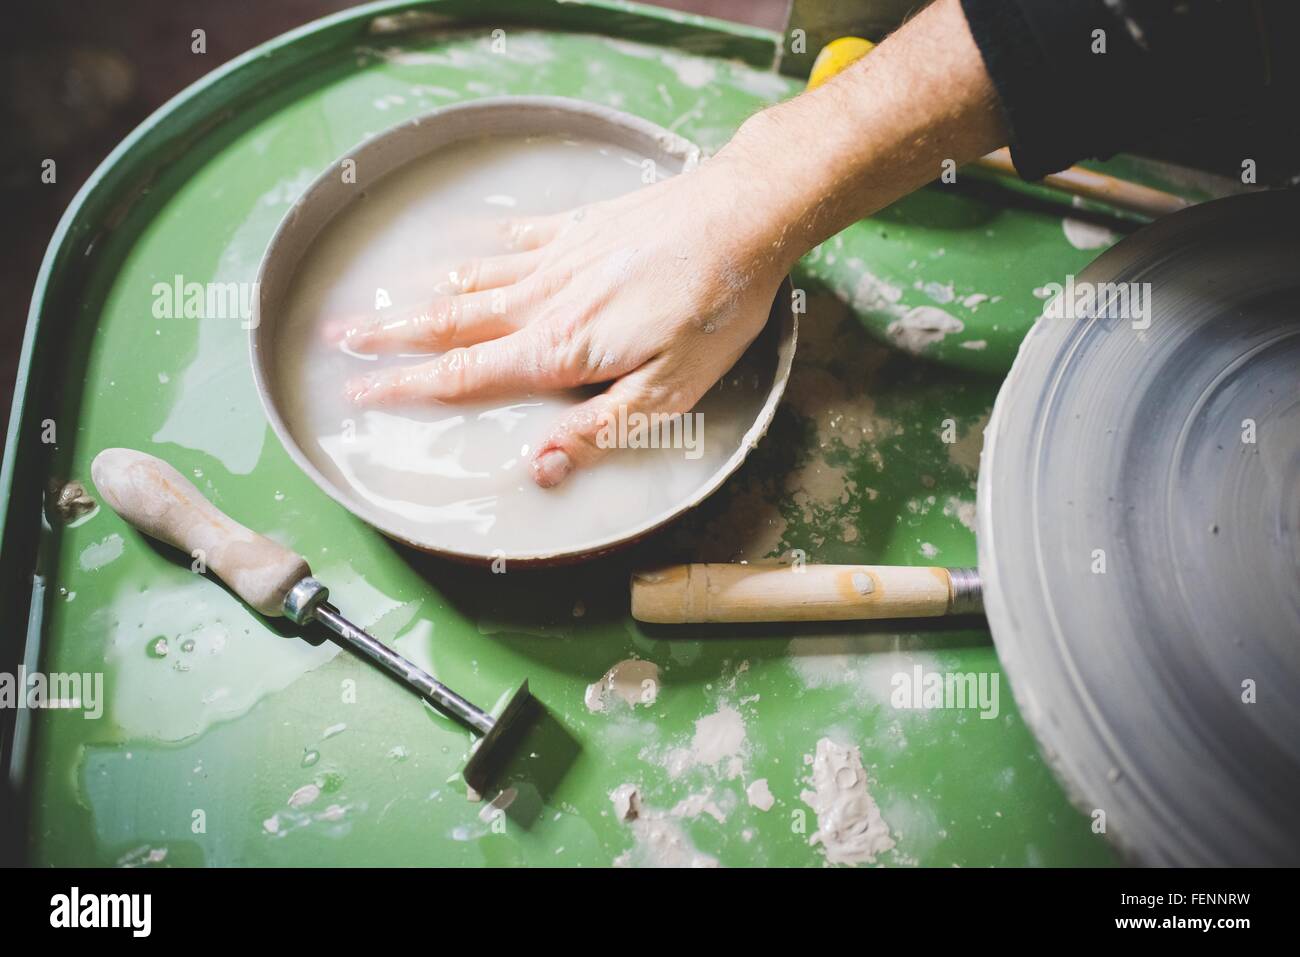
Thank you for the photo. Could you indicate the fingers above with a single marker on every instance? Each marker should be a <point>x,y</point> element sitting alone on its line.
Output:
<point>543,356</point>
<point>532,232</point>
<point>588,432</point>
<point>508,365</point>
<point>447,322</point>
<point>492,272</point>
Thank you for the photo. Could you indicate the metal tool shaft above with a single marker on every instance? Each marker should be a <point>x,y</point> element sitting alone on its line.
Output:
<point>414,677</point>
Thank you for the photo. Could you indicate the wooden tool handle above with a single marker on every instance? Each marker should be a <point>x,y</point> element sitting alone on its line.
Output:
<point>680,594</point>
<point>1101,187</point>
<point>159,501</point>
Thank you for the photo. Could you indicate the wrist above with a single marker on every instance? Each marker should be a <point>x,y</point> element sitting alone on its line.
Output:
<point>760,194</point>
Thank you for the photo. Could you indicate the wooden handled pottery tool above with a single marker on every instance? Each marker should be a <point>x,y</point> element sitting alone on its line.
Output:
<point>697,593</point>
<point>156,499</point>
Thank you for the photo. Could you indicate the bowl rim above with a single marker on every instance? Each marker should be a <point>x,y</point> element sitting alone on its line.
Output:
<point>284,252</point>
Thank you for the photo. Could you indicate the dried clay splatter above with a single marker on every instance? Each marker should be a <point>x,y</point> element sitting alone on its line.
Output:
<point>850,829</point>
<point>1082,234</point>
<point>921,327</point>
<point>965,452</point>
<point>304,795</point>
<point>842,413</point>
<point>842,409</point>
<point>760,795</point>
<point>962,510</point>
<point>718,743</point>
<point>98,554</point>
<point>658,839</point>
<point>631,681</point>
<point>912,329</point>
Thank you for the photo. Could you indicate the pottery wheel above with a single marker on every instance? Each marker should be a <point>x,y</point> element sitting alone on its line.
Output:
<point>1139,539</point>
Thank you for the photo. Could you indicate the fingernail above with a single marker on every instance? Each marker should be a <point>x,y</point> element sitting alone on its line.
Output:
<point>550,468</point>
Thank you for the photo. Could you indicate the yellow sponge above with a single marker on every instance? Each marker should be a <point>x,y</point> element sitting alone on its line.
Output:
<point>837,55</point>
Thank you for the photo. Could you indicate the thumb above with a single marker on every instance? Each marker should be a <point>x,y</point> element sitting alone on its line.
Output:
<point>587,432</point>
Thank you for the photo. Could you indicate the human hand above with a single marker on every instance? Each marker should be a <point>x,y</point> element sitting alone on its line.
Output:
<point>657,292</point>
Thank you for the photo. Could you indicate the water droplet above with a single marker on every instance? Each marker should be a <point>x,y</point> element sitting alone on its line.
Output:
<point>187,645</point>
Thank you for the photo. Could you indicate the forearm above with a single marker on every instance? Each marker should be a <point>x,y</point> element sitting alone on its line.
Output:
<point>882,128</point>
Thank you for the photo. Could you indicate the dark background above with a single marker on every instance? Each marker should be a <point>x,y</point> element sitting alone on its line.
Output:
<point>76,76</point>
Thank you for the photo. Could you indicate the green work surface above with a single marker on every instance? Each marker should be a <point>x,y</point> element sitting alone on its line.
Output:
<point>214,719</point>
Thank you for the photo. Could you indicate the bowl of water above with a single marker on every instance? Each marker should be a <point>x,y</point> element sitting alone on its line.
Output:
<point>375,232</point>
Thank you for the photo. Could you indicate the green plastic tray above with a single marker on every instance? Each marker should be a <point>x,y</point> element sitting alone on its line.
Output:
<point>214,718</point>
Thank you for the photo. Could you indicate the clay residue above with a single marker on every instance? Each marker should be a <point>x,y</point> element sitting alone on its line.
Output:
<point>873,294</point>
<point>98,554</point>
<point>1085,235</point>
<point>841,408</point>
<point>921,327</point>
<point>1082,234</point>
<point>965,452</point>
<point>661,842</point>
<point>961,510</point>
<point>719,744</point>
<point>819,485</point>
<point>632,682</point>
<point>842,412</point>
<point>760,795</point>
<point>691,71</point>
<point>864,665</point>
<point>406,21</point>
<point>68,502</point>
<point>658,839</point>
<point>850,829</point>
<point>718,737</point>
<point>627,802</point>
<point>304,795</point>
<point>696,804</point>
<point>940,292</point>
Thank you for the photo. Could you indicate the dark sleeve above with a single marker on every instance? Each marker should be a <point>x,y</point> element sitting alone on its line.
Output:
<point>1182,71</point>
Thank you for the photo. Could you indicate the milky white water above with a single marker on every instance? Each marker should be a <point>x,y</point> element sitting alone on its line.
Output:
<point>457,476</point>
